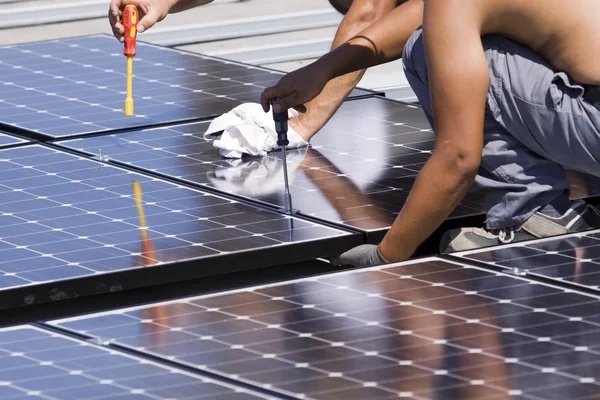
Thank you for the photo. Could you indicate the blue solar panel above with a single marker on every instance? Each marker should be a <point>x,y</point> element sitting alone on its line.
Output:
<point>77,86</point>
<point>358,172</point>
<point>64,217</point>
<point>37,364</point>
<point>7,140</point>
<point>573,259</point>
<point>426,329</point>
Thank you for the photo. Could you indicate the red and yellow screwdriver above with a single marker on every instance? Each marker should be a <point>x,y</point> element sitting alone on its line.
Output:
<point>130,22</point>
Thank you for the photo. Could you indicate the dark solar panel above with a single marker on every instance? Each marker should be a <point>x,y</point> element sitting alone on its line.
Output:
<point>7,140</point>
<point>574,258</point>
<point>77,86</point>
<point>37,364</point>
<point>64,217</point>
<point>427,329</point>
<point>358,172</point>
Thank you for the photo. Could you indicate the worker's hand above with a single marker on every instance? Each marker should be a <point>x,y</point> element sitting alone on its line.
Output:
<point>366,255</point>
<point>151,12</point>
<point>296,88</point>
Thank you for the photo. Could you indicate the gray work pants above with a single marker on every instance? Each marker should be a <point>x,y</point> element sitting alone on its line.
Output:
<point>537,123</point>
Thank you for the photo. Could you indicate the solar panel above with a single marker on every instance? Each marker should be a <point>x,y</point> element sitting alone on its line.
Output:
<point>572,258</point>
<point>69,226</point>
<point>77,86</point>
<point>358,172</point>
<point>37,364</point>
<point>8,140</point>
<point>423,329</point>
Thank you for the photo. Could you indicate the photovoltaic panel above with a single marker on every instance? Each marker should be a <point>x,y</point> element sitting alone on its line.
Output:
<point>427,329</point>
<point>572,258</point>
<point>76,86</point>
<point>7,140</point>
<point>69,226</point>
<point>37,364</point>
<point>358,172</point>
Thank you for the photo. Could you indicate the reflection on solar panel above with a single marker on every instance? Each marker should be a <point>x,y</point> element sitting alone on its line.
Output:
<point>36,364</point>
<point>77,86</point>
<point>358,172</point>
<point>574,258</point>
<point>7,140</point>
<point>63,217</point>
<point>424,329</point>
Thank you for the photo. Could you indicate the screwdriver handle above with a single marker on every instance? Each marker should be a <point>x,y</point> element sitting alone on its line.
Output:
<point>130,22</point>
<point>281,126</point>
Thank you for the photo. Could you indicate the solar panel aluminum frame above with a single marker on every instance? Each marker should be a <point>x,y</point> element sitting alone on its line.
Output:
<point>141,277</point>
<point>100,351</point>
<point>463,258</point>
<point>113,343</point>
<point>357,93</point>
<point>179,271</point>
<point>373,236</point>
<point>16,142</point>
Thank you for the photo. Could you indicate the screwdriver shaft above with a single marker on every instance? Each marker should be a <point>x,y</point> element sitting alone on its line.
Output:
<point>287,195</point>
<point>129,98</point>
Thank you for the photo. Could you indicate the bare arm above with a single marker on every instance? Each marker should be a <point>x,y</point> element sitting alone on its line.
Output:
<point>381,42</point>
<point>459,78</point>
<point>362,14</point>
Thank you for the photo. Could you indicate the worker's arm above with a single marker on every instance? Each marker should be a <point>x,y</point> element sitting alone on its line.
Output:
<point>361,14</point>
<point>151,12</point>
<point>381,42</point>
<point>458,78</point>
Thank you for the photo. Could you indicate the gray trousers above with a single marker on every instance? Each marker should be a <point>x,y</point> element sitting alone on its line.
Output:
<point>537,123</point>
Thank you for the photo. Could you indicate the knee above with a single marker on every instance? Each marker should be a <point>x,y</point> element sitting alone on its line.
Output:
<point>413,56</point>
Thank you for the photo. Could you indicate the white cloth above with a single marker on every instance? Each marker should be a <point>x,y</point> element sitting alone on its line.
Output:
<point>247,129</point>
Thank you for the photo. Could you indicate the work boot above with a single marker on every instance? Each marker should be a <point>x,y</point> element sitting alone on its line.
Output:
<point>547,222</point>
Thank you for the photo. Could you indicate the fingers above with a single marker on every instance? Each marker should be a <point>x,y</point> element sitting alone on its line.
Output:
<point>301,108</point>
<point>151,17</point>
<point>286,102</point>
<point>114,18</point>
<point>267,95</point>
<point>285,99</point>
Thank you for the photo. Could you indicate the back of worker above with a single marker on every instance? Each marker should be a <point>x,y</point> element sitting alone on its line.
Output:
<point>564,33</point>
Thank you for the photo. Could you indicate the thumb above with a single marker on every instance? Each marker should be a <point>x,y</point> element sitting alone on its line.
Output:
<point>152,17</point>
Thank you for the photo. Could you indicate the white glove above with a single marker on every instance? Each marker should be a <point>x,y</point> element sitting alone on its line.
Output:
<point>247,129</point>
<point>255,177</point>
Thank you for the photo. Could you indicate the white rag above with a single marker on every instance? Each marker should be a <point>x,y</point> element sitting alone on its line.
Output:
<point>247,129</point>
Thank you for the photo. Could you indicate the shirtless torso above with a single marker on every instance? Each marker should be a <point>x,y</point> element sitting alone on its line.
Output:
<point>565,33</point>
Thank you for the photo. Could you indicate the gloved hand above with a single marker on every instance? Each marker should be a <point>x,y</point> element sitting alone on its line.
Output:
<point>366,255</point>
<point>247,129</point>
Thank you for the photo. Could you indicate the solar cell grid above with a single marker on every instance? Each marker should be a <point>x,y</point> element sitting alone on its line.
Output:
<point>572,258</point>
<point>424,329</point>
<point>36,364</point>
<point>64,217</point>
<point>358,172</point>
<point>76,86</point>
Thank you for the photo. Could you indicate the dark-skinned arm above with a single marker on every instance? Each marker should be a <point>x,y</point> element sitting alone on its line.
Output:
<point>361,14</point>
<point>459,78</point>
<point>381,42</point>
